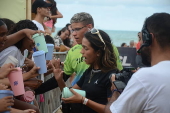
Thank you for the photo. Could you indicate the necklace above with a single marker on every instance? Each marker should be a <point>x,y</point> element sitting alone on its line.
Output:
<point>92,74</point>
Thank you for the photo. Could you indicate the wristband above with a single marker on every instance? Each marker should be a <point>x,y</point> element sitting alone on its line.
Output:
<point>85,101</point>
<point>117,91</point>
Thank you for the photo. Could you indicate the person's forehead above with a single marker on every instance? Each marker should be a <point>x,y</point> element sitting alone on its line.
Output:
<point>76,25</point>
<point>3,28</point>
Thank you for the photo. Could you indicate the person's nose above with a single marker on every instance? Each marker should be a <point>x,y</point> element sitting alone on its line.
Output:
<point>74,33</point>
<point>82,51</point>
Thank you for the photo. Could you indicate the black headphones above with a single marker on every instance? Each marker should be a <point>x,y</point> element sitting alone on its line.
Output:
<point>146,37</point>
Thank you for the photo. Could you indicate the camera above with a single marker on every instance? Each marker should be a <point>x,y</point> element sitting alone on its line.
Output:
<point>122,78</point>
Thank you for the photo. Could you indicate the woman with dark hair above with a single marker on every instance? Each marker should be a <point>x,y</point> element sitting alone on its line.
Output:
<point>54,15</point>
<point>62,39</point>
<point>98,52</point>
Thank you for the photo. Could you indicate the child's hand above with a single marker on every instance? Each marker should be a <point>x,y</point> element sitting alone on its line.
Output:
<point>3,87</point>
<point>6,69</point>
<point>5,102</point>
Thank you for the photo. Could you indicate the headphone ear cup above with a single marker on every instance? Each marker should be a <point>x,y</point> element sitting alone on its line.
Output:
<point>147,38</point>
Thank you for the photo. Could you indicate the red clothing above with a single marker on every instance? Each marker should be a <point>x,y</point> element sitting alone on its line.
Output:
<point>137,47</point>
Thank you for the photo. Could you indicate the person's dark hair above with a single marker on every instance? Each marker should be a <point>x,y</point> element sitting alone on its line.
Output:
<point>9,23</point>
<point>82,17</point>
<point>66,41</point>
<point>23,24</point>
<point>159,25</point>
<point>38,4</point>
<point>49,40</point>
<point>107,59</point>
<point>1,23</point>
<point>122,45</point>
<point>53,9</point>
<point>68,25</point>
<point>62,30</point>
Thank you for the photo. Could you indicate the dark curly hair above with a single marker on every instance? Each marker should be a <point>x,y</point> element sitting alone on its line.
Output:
<point>22,24</point>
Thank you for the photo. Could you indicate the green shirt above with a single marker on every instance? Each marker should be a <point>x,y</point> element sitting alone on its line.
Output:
<point>118,61</point>
<point>74,62</point>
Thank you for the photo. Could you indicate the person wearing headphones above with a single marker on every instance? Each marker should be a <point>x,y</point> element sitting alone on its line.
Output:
<point>148,90</point>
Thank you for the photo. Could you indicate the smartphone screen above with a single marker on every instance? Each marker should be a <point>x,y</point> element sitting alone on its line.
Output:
<point>119,85</point>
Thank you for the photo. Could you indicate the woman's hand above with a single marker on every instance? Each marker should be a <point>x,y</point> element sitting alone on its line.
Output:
<point>112,79</point>
<point>76,98</point>
<point>34,71</point>
<point>6,69</point>
<point>28,63</point>
<point>29,33</point>
<point>5,102</point>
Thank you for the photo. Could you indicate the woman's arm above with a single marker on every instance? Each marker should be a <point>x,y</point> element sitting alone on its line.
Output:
<point>76,86</point>
<point>14,38</point>
<point>99,108</point>
<point>59,15</point>
<point>77,98</point>
<point>13,110</point>
<point>31,74</point>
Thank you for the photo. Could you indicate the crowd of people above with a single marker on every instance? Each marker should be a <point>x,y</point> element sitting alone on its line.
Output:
<point>92,62</point>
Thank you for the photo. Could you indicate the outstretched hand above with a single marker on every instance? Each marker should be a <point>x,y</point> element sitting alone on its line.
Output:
<point>5,102</point>
<point>29,33</point>
<point>58,73</point>
<point>113,78</point>
<point>3,87</point>
<point>76,98</point>
<point>6,69</point>
<point>29,63</point>
<point>34,71</point>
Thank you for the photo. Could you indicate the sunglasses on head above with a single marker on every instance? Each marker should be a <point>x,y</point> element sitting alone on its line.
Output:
<point>95,31</point>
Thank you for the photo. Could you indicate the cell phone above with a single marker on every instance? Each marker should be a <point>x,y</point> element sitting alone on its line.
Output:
<point>119,85</point>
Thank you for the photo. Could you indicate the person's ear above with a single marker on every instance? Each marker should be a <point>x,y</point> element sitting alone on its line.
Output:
<point>98,53</point>
<point>152,36</point>
<point>89,26</point>
<point>38,10</point>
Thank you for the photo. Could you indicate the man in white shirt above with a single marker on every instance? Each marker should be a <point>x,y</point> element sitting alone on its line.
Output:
<point>42,10</point>
<point>148,90</point>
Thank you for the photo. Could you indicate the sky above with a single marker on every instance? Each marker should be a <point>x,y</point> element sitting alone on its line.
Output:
<point>127,15</point>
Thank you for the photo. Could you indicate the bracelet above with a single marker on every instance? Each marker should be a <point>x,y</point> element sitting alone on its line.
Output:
<point>117,91</point>
<point>85,101</point>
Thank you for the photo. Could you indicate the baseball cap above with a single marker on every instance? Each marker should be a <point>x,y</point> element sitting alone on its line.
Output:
<point>39,3</point>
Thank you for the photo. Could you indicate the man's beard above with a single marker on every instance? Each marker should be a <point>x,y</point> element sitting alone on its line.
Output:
<point>146,56</point>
